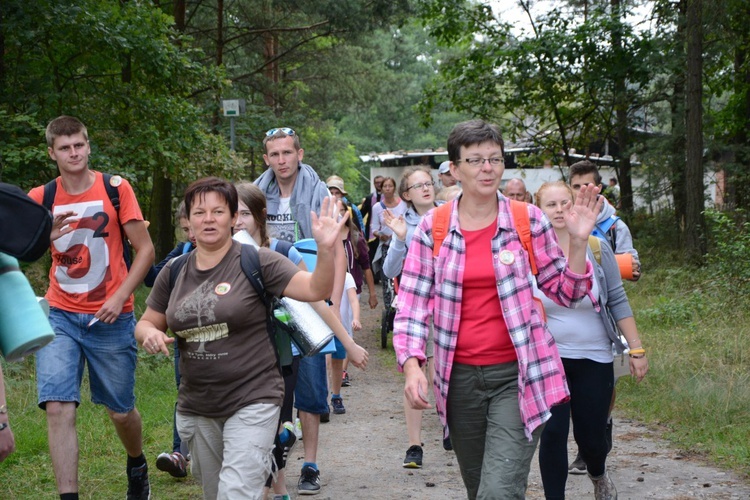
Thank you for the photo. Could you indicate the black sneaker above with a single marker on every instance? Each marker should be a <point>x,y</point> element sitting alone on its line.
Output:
<point>138,487</point>
<point>173,463</point>
<point>413,458</point>
<point>345,382</point>
<point>338,406</point>
<point>325,418</point>
<point>281,451</point>
<point>309,481</point>
<point>578,466</point>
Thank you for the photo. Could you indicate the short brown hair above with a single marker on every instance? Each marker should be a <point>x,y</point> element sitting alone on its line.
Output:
<point>585,167</point>
<point>473,132</point>
<point>64,125</point>
<point>201,187</point>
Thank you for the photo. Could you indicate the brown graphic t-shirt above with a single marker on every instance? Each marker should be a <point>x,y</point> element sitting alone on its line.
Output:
<point>227,360</point>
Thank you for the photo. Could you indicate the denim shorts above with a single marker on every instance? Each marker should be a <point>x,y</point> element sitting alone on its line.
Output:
<point>340,352</point>
<point>110,351</point>
<point>311,392</point>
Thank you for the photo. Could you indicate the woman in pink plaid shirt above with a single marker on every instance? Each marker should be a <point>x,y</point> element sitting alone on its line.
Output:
<point>492,348</point>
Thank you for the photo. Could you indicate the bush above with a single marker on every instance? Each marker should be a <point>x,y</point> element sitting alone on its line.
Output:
<point>729,247</point>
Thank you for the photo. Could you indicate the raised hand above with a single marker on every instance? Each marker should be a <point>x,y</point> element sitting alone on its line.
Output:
<point>581,218</point>
<point>326,228</point>
<point>396,224</point>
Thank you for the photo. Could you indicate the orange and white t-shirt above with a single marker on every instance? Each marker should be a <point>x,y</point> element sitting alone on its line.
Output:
<point>87,263</point>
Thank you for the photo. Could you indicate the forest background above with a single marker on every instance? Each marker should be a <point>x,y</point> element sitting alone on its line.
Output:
<point>670,88</point>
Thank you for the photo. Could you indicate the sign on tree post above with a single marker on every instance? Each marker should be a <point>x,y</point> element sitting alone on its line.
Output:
<point>232,108</point>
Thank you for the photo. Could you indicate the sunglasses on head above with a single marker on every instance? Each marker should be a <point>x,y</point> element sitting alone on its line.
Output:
<point>286,130</point>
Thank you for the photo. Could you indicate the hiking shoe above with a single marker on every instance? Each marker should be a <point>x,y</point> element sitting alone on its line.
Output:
<point>325,417</point>
<point>309,481</point>
<point>174,463</point>
<point>604,488</point>
<point>338,406</point>
<point>447,445</point>
<point>578,466</point>
<point>138,487</point>
<point>413,458</point>
<point>608,435</point>
<point>345,382</point>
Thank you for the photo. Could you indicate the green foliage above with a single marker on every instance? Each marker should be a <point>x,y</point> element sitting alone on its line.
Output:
<point>729,248</point>
<point>19,148</point>
<point>694,327</point>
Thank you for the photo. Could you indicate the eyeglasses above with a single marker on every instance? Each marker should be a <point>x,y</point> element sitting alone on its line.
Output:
<point>421,185</point>
<point>286,130</point>
<point>477,162</point>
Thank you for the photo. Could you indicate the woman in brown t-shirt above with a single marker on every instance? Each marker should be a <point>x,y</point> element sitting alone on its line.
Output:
<point>231,388</point>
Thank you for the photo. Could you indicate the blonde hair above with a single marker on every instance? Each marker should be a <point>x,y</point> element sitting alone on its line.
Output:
<point>449,193</point>
<point>548,185</point>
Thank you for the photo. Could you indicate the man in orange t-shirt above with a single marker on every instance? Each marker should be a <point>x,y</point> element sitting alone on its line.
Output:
<point>91,299</point>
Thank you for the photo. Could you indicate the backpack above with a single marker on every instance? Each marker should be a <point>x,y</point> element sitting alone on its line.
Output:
<point>520,215</point>
<point>24,224</point>
<point>607,231</point>
<point>50,189</point>
<point>250,263</point>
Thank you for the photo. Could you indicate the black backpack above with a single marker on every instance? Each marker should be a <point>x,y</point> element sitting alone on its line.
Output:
<point>50,189</point>
<point>25,225</point>
<point>250,263</point>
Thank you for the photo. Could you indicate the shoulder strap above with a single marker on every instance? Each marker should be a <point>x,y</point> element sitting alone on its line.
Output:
<point>112,192</point>
<point>595,244</point>
<point>50,189</point>
<point>175,266</point>
<point>441,220</point>
<point>250,263</point>
<point>520,213</point>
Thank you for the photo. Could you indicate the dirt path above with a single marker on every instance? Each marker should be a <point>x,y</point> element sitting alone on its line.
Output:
<point>361,452</point>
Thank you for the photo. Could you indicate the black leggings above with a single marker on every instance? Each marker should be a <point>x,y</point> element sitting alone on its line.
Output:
<point>590,385</point>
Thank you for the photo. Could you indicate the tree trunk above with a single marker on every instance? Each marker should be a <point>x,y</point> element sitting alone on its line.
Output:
<point>162,222</point>
<point>694,230</point>
<point>161,227</point>
<point>677,139</point>
<point>621,115</point>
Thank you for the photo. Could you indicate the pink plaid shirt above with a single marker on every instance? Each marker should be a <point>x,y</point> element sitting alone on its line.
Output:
<point>430,289</point>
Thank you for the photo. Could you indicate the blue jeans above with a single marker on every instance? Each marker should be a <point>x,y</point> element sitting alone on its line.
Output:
<point>109,350</point>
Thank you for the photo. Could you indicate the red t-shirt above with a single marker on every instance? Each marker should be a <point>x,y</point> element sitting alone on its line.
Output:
<point>483,337</point>
<point>87,263</point>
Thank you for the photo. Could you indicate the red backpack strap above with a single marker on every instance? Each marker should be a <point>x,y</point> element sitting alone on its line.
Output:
<point>441,220</point>
<point>520,213</point>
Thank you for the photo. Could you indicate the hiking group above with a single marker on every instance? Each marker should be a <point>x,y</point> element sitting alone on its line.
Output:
<point>512,311</point>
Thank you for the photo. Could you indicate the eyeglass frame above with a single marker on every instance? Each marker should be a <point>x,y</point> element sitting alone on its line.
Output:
<point>470,161</point>
<point>421,185</point>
